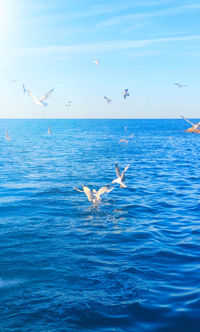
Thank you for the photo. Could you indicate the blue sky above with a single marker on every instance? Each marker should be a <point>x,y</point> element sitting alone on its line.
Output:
<point>143,45</point>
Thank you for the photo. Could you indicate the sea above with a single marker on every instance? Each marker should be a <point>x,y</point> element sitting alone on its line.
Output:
<point>130,263</point>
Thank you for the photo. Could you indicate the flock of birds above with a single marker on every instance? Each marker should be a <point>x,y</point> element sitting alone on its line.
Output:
<point>42,101</point>
<point>94,196</point>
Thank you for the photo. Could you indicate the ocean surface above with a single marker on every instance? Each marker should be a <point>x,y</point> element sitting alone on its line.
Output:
<point>132,263</point>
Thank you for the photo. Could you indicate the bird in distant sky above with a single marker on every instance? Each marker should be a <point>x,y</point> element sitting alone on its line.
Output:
<point>95,196</point>
<point>68,104</point>
<point>13,81</point>
<point>42,100</point>
<point>108,100</point>
<point>125,94</point>
<point>180,85</point>
<point>120,176</point>
<point>96,62</point>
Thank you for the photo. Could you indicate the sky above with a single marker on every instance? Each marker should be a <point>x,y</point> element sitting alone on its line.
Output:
<point>143,45</point>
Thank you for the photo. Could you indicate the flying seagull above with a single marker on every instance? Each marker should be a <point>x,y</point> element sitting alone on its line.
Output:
<point>108,100</point>
<point>13,81</point>
<point>193,124</point>
<point>42,100</point>
<point>120,176</point>
<point>125,94</point>
<point>96,62</point>
<point>95,196</point>
<point>180,85</point>
<point>68,104</point>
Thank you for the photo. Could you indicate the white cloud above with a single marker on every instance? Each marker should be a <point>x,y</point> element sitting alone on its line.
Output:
<point>98,47</point>
<point>116,20</point>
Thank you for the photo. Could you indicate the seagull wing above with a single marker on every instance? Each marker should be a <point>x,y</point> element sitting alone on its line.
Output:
<point>24,89</point>
<point>103,190</point>
<point>36,100</point>
<point>117,170</point>
<point>187,120</point>
<point>125,169</point>
<point>81,191</point>
<point>47,95</point>
<point>88,193</point>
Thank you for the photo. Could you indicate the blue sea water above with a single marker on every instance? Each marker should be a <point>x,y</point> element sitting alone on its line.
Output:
<point>130,264</point>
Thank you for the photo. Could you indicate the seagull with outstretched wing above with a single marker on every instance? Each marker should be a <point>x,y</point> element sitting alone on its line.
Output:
<point>42,100</point>
<point>108,100</point>
<point>125,94</point>
<point>94,196</point>
<point>180,85</point>
<point>120,176</point>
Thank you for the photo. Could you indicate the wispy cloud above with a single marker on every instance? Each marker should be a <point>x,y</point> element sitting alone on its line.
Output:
<point>100,47</point>
<point>91,11</point>
<point>116,20</point>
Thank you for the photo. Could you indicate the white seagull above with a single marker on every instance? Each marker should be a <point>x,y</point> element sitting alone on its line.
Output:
<point>120,176</point>
<point>193,124</point>
<point>125,94</point>
<point>13,81</point>
<point>180,85</point>
<point>96,62</point>
<point>42,100</point>
<point>108,100</point>
<point>68,104</point>
<point>95,196</point>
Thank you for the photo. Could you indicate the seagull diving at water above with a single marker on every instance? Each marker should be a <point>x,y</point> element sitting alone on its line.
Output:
<point>42,100</point>
<point>120,176</point>
<point>125,94</point>
<point>108,100</point>
<point>180,85</point>
<point>68,104</point>
<point>95,196</point>
<point>96,62</point>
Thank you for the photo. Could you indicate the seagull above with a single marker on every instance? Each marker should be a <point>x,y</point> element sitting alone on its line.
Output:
<point>13,81</point>
<point>123,140</point>
<point>96,62</point>
<point>68,104</point>
<point>120,176</point>
<point>42,100</point>
<point>193,124</point>
<point>7,136</point>
<point>180,85</point>
<point>95,196</point>
<point>125,94</point>
<point>108,100</point>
